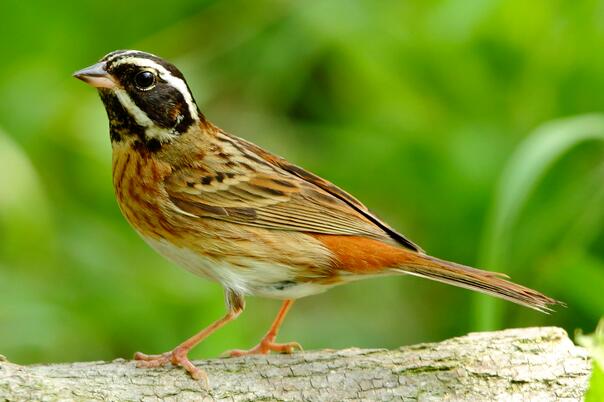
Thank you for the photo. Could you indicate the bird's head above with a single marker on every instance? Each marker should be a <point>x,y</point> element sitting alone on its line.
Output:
<point>147,99</point>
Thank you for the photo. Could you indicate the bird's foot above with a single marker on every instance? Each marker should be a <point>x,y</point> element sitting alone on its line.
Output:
<point>177,357</point>
<point>265,346</point>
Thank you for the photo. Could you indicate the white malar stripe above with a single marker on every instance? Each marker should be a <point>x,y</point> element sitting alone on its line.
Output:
<point>141,118</point>
<point>165,75</point>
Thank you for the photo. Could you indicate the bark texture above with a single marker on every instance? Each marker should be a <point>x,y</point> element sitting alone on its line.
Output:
<point>531,364</point>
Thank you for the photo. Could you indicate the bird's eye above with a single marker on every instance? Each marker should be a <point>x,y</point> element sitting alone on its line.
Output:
<point>144,80</point>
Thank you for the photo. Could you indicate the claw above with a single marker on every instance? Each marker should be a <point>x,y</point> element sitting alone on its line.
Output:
<point>144,360</point>
<point>178,357</point>
<point>265,347</point>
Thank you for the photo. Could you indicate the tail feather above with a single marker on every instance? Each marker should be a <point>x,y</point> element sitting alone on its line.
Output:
<point>491,283</point>
<point>362,256</point>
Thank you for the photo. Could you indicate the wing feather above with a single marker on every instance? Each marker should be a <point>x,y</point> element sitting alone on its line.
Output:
<point>282,204</point>
<point>259,189</point>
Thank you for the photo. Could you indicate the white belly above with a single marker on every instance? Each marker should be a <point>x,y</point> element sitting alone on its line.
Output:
<point>249,277</point>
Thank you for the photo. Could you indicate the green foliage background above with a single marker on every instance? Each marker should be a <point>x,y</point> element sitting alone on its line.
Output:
<point>422,109</point>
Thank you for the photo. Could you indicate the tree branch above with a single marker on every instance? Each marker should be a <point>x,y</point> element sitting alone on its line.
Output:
<point>519,364</point>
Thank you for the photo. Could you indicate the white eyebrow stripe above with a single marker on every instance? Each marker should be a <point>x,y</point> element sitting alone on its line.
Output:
<point>120,54</point>
<point>165,75</point>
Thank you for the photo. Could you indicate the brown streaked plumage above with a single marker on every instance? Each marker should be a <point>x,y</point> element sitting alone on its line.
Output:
<point>228,210</point>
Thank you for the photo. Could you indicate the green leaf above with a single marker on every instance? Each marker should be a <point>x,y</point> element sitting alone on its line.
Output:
<point>595,393</point>
<point>595,345</point>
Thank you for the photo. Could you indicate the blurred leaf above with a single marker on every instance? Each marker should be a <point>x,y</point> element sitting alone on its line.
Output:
<point>595,393</point>
<point>595,345</point>
<point>529,164</point>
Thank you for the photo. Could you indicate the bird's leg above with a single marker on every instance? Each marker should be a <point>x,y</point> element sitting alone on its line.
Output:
<point>178,355</point>
<point>267,344</point>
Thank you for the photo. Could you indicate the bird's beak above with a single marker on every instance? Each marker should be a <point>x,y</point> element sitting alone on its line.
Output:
<point>96,75</point>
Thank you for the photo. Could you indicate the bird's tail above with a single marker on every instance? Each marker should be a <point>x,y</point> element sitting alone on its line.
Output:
<point>491,283</point>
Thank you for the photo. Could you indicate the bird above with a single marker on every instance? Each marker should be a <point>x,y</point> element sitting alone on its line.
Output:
<point>226,209</point>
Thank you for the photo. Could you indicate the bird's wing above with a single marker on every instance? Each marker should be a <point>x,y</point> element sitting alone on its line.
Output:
<point>247,185</point>
<point>265,200</point>
<point>333,190</point>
